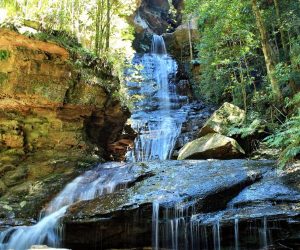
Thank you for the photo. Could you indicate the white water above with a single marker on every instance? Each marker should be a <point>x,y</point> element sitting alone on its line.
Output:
<point>158,45</point>
<point>159,115</point>
<point>236,234</point>
<point>182,228</point>
<point>48,230</point>
<point>158,132</point>
<point>155,226</point>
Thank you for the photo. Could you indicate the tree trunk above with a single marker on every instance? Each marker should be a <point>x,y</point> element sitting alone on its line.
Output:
<point>190,40</point>
<point>270,64</point>
<point>108,10</point>
<point>282,38</point>
<point>97,35</point>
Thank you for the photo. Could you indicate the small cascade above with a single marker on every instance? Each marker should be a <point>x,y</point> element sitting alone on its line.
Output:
<point>159,112</point>
<point>102,180</point>
<point>216,235</point>
<point>263,237</point>
<point>179,228</point>
<point>158,45</point>
<point>236,233</point>
<point>155,226</point>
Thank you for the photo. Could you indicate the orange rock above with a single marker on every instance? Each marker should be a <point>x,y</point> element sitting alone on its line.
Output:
<point>11,39</point>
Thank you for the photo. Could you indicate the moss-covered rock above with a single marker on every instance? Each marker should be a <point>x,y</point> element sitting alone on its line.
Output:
<point>213,146</point>
<point>222,119</point>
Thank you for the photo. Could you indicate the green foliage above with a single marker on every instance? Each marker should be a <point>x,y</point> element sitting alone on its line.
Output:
<point>287,136</point>
<point>253,124</point>
<point>249,53</point>
<point>247,129</point>
<point>233,67</point>
<point>4,55</point>
<point>96,34</point>
<point>226,49</point>
<point>3,77</point>
<point>105,28</point>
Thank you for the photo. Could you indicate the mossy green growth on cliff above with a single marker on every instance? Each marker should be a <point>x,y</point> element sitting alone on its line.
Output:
<point>3,77</point>
<point>4,54</point>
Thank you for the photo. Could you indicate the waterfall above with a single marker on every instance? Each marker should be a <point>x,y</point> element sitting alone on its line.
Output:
<point>155,226</point>
<point>101,180</point>
<point>158,45</point>
<point>159,113</point>
<point>236,233</point>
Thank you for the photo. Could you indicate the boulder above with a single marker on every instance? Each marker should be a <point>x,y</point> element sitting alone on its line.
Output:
<point>212,145</point>
<point>222,119</point>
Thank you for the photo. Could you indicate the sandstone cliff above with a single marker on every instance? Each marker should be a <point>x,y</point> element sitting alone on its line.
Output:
<point>52,120</point>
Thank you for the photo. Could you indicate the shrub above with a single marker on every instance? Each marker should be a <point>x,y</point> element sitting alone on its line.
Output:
<point>287,137</point>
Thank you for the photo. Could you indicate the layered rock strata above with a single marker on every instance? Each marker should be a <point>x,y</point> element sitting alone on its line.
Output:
<point>52,120</point>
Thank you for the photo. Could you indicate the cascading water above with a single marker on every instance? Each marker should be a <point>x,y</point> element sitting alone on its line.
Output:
<point>182,228</point>
<point>159,112</point>
<point>157,116</point>
<point>104,179</point>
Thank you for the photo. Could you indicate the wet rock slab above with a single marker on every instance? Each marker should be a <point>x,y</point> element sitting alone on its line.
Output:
<point>124,219</point>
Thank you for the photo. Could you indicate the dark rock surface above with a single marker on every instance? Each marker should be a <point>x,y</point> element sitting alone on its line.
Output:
<point>154,16</point>
<point>197,116</point>
<point>124,219</point>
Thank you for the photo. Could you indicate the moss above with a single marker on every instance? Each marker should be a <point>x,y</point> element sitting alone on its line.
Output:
<point>3,76</point>
<point>4,55</point>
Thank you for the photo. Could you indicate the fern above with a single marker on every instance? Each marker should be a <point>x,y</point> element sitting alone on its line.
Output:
<point>287,137</point>
<point>252,124</point>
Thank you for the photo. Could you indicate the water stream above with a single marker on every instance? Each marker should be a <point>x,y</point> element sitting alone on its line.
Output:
<point>158,129</point>
<point>105,178</point>
<point>159,112</point>
<point>157,116</point>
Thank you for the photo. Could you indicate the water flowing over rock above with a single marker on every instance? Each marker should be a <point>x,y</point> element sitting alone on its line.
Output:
<point>102,180</point>
<point>188,204</point>
<point>42,247</point>
<point>185,205</point>
<point>154,17</point>
<point>158,45</point>
<point>159,112</point>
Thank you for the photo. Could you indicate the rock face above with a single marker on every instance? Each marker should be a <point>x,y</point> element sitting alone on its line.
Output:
<point>213,142</point>
<point>186,195</point>
<point>51,119</point>
<point>153,16</point>
<point>220,121</point>
<point>196,117</point>
<point>170,183</point>
<point>178,42</point>
<point>211,146</point>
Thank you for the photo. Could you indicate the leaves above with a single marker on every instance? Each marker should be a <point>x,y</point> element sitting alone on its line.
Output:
<point>287,137</point>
